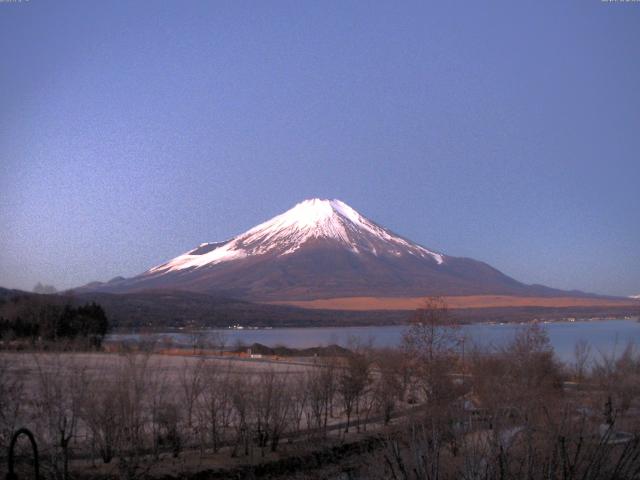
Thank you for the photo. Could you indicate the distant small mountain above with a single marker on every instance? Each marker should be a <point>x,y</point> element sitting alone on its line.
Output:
<point>44,289</point>
<point>323,249</point>
<point>636,297</point>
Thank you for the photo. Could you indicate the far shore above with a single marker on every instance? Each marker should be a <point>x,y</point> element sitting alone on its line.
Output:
<point>189,329</point>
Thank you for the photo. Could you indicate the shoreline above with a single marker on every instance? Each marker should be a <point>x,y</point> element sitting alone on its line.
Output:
<point>159,329</point>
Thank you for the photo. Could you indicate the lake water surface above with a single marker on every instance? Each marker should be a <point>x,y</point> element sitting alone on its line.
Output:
<point>604,336</point>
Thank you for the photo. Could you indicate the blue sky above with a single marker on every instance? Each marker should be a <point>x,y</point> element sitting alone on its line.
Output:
<point>503,131</point>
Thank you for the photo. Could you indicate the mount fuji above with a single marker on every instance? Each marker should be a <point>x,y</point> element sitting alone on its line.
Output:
<point>322,249</point>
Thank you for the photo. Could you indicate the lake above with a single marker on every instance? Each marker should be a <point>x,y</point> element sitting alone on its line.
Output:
<point>604,336</point>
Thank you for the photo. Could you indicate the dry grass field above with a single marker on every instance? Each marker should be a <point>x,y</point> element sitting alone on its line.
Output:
<point>455,302</point>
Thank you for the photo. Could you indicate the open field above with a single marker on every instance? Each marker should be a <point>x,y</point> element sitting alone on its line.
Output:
<point>457,302</point>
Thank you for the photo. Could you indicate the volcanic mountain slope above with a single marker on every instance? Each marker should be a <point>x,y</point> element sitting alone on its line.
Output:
<point>323,249</point>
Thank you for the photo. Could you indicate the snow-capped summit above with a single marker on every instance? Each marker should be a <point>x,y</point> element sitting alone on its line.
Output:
<point>310,220</point>
<point>636,297</point>
<point>322,249</point>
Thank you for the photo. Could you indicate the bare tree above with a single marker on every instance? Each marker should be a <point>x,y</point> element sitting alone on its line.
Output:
<point>533,368</point>
<point>219,340</point>
<point>215,404</point>
<point>158,390</point>
<point>390,385</point>
<point>269,408</point>
<point>99,413</point>
<point>432,333</point>
<point>431,343</point>
<point>197,340</point>
<point>190,381</point>
<point>132,381</point>
<point>352,383</point>
<point>582,354</point>
<point>321,385</point>
<point>240,401</point>
<point>299,398</point>
<point>61,385</point>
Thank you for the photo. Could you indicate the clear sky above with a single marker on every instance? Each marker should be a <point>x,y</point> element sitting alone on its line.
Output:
<point>505,131</point>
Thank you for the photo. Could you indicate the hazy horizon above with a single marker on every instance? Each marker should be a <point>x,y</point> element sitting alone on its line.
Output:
<point>132,132</point>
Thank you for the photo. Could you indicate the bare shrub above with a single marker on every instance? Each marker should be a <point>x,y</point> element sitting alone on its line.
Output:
<point>564,446</point>
<point>618,377</point>
<point>168,420</point>
<point>12,398</point>
<point>522,378</point>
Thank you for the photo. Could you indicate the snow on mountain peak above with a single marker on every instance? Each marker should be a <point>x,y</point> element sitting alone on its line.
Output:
<point>307,214</point>
<point>284,234</point>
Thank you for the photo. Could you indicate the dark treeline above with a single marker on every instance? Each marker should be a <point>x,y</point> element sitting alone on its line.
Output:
<point>40,319</point>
